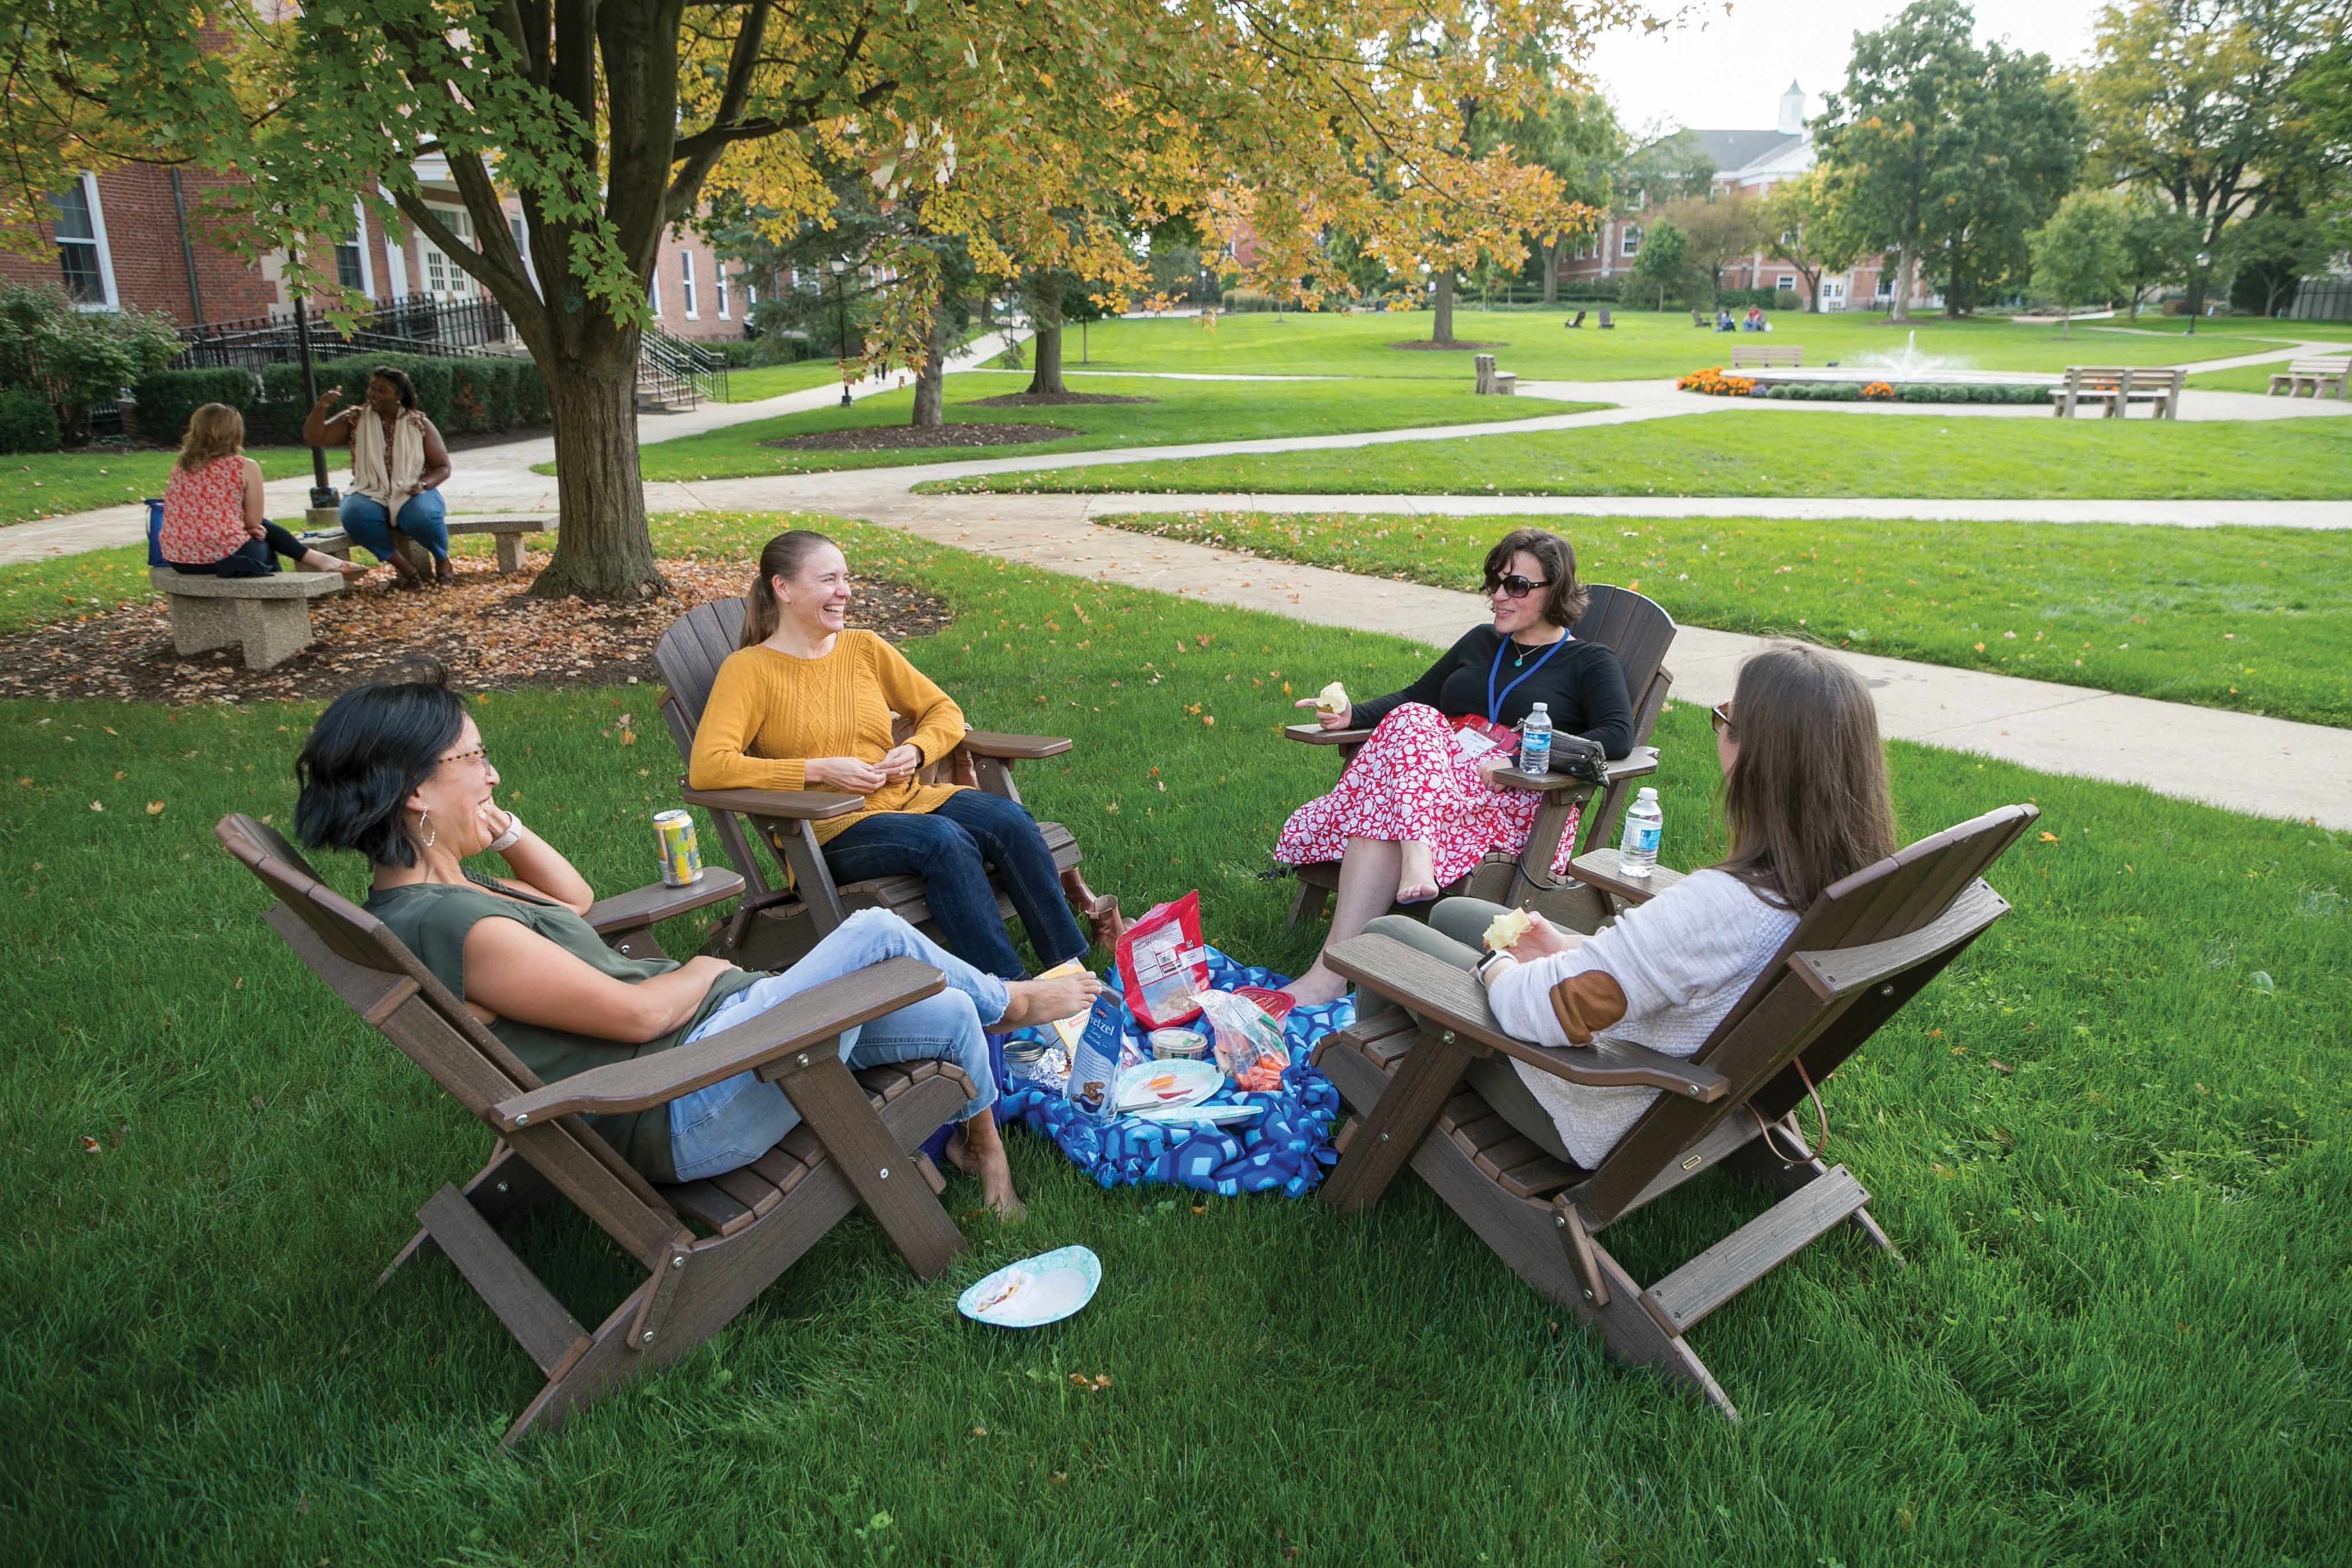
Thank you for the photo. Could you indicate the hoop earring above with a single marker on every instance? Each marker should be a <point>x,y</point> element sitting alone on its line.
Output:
<point>422,818</point>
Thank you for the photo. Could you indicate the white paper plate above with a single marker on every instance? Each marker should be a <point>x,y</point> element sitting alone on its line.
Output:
<point>1187,1115</point>
<point>1194,1081</point>
<point>1059,1283</point>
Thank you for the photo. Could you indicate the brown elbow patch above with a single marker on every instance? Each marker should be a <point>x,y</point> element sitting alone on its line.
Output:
<point>1587,1003</point>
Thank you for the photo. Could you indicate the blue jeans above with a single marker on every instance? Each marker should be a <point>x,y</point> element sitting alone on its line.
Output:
<point>953,849</point>
<point>732,1123</point>
<point>422,517</point>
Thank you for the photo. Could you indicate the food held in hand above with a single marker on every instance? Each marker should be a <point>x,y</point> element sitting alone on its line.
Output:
<point>1332,699</point>
<point>1504,931</point>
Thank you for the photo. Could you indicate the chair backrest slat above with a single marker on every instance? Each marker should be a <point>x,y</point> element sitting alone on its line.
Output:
<point>690,654</point>
<point>1639,632</point>
<point>1781,1021</point>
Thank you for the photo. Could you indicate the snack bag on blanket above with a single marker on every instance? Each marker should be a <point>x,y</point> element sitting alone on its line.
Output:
<point>1249,1044</point>
<point>1163,965</point>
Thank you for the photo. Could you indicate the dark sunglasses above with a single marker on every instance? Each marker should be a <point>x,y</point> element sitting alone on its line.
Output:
<point>1515,586</point>
<point>1721,714</point>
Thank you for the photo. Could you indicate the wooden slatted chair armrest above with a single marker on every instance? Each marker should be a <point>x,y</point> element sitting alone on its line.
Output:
<point>634,911</point>
<point>1445,998</point>
<point>1838,972</point>
<point>1560,788</point>
<point>812,805</point>
<point>1596,869</point>
<point>1316,735</point>
<point>814,1017</point>
<point>988,744</point>
<point>1639,762</point>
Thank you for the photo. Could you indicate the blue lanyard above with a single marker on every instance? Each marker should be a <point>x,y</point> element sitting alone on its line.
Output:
<point>1494,703</point>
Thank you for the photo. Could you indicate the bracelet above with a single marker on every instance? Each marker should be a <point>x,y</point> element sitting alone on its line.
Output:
<point>506,841</point>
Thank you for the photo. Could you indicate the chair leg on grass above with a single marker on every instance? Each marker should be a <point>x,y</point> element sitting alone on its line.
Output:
<point>505,1186</point>
<point>1398,1123</point>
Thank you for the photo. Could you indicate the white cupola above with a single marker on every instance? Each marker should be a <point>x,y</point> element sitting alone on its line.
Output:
<point>1792,111</point>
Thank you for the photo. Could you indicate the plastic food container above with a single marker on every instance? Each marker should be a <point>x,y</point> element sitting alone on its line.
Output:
<point>1178,1044</point>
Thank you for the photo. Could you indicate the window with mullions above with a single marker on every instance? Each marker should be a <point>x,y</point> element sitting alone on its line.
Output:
<point>81,252</point>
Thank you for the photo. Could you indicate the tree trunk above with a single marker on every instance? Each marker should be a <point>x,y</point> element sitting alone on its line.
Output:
<point>1443,330</point>
<point>1551,272</point>
<point>1902,300</point>
<point>1047,378</point>
<point>601,549</point>
<point>931,405</point>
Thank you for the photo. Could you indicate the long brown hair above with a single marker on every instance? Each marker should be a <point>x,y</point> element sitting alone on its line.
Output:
<point>1565,600</point>
<point>781,556</point>
<point>1806,800</point>
<point>214,431</point>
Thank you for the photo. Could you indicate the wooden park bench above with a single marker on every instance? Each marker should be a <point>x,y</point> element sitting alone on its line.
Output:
<point>2316,377</point>
<point>1492,382</point>
<point>269,615</point>
<point>1574,321</point>
<point>1639,632</point>
<point>703,1250</point>
<point>1755,356</point>
<point>1433,1081</point>
<point>778,922</point>
<point>508,530</point>
<point>2115,387</point>
<point>1606,324</point>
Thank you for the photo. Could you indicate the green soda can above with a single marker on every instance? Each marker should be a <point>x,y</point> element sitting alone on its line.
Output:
<point>681,858</point>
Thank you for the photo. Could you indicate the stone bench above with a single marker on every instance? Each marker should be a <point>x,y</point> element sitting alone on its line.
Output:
<point>1490,381</point>
<point>2317,377</point>
<point>508,530</point>
<point>269,615</point>
<point>2115,387</point>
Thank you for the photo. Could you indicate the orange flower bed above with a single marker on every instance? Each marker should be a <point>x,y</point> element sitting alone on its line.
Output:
<point>1878,391</point>
<point>1715,383</point>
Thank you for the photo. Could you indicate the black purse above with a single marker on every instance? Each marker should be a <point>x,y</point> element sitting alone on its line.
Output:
<point>1579,759</point>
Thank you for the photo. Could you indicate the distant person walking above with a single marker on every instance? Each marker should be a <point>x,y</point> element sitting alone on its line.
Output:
<point>398,463</point>
<point>213,525</point>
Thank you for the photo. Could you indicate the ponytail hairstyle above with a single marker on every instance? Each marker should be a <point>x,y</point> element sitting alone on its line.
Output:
<point>783,556</point>
<point>1806,800</point>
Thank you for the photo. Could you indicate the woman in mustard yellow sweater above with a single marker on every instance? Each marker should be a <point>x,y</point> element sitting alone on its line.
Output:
<point>806,704</point>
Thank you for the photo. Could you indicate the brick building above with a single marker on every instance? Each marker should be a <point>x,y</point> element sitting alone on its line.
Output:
<point>142,236</point>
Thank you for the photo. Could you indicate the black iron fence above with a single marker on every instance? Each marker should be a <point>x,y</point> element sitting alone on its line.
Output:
<point>417,325</point>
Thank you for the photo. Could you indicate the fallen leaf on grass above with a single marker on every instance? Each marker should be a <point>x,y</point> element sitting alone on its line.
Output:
<point>154,808</point>
<point>2048,838</point>
<point>90,1146</point>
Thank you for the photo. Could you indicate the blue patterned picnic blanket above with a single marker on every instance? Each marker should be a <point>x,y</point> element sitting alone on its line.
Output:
<point>1284,1150</point>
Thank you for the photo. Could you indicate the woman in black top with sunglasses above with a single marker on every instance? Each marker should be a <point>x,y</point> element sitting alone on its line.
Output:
<point>1416,808</point>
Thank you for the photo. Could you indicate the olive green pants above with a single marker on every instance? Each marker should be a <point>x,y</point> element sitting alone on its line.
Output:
<point>1456,933</point>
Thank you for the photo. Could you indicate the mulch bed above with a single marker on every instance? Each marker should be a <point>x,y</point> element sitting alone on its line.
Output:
<point>485,629</point>
<point>1049,399</point>
<point>1451,345</point>
<point>888,438</point>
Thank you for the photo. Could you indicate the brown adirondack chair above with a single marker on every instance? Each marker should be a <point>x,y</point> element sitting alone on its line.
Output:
<point>851,1147</point>
<point>776,925</point>
<point>1864,949</point>
<point>1638,631</point>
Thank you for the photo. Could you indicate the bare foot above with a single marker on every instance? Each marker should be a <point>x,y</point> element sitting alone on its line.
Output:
<point>988,1165</point>
<point>1315,987</point>
<point>1043,1001</point>
<point>1417,875</point>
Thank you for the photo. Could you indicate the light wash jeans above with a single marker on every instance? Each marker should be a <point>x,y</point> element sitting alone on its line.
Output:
<point>732,1123</point>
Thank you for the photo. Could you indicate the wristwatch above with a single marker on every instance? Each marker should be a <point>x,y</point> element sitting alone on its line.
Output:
<point>1487,963</point>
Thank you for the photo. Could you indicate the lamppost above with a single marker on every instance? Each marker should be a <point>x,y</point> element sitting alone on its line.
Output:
<point>2204,260</point>
<point>322,494</point>
<point>841,317</point>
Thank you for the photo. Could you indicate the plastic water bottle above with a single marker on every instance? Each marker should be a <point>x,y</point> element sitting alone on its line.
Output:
<point>1535,742</point>
<point>1644,822</point>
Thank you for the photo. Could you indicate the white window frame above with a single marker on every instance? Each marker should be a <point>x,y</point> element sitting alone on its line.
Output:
<point>360,243</point>
<point>459,283</point>
<point>721,280</point>
<point>521,232</point>
<point>395,260</point>
<point>1629,241</point>
<point>1787,283</point>
<point>653,293</point>
<point>686,286</point>
<point>113,302</point>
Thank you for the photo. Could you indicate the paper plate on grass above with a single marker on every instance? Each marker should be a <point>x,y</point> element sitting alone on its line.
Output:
<point>1035,1291</point>
<point>1161,1085</point>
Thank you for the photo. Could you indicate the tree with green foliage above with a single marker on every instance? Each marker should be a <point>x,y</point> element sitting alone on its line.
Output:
<point>1887,142</point>
<point>1803,229</point>
<point>76,359</point>
<point>2158,242</point>
<point>1577,137</point>
<point>2220,105</point>
<point>1663,261</point>
<point>612,124</point>
<point>1716,231</point>
<point>2078,255</point>
<point>1665,166</point>
<point>2272,252</point>
<point>2013,151</point>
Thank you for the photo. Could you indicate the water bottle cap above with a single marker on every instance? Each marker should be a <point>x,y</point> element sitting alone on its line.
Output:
<point>1649,791</point>
<point>1539,708</point>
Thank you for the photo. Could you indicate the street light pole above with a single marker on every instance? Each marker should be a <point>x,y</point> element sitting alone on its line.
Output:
<point>322,494</point>
<point>841,327</point>
<point>2204,261</point>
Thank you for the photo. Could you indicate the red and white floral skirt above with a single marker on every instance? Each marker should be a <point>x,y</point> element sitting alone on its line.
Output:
<point>1408,781</point>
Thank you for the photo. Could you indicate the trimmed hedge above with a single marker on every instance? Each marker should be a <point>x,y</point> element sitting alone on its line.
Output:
<point>464,397</point>
<point>166,398</point>
<point>1909,392</point>
<point>28,423</point>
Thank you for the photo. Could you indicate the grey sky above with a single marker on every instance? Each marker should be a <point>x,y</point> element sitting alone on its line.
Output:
<point>1729,71</point>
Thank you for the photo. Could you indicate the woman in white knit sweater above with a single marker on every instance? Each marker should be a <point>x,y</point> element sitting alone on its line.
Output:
<point>1805,803</point>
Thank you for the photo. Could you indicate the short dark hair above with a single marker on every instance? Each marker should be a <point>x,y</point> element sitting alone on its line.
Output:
<point>371,748</point>
<point>397,379</point>
<point>1565,603</point>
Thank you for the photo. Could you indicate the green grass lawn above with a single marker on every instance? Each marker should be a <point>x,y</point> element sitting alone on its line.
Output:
<point>1811,451</point>
<point>2256,619</point>
<point>1181,411</point>
<point>1643,344</point>
<point>2256,377</point>
<point>2108,1143</point>
<point>49,484</point>
<point>757,382</point>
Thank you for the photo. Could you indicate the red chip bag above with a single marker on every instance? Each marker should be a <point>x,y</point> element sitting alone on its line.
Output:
<point>1163,966</point>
